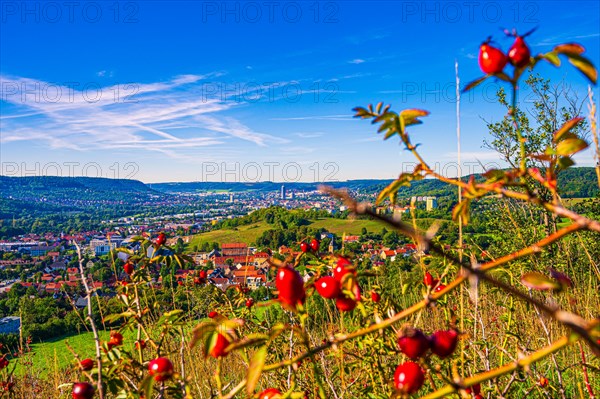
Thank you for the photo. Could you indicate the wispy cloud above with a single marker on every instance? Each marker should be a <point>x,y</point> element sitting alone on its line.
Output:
<point>316,117</point>
<point>356,61</point>
<point>168,117</point>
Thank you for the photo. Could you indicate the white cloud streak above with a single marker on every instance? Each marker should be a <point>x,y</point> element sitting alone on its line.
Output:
<point>165,117</point>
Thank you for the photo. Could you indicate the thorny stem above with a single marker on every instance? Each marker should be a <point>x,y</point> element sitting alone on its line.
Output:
<point>571,320</point>
<point>585,373</point>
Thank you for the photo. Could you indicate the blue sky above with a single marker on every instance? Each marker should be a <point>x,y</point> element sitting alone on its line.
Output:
<point>244,91</point>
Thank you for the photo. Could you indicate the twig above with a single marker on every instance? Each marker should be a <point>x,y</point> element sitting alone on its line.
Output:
<point>90,317</point>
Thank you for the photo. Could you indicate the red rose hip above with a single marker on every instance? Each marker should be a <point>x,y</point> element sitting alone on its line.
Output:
<point>83,390</point>
<point>328,287</point>
<point>408,378</point>
<point>519,54</point>
<point>345,304</point>
<point>270,393</point>
<point>342,268</point>
<point>428,280</point>
<point>86,364</point>
<point>491,59</point>
<point>413,343</point>
<point>161,239</point>
<point>116,338</point>
<point>161,368</point>
<point>304,246</point>
<point>375,297</point>
<point>443,343</point>
<point>128,268</point>
<point>290,285</point>
<point>249,303</point>
<point>314,245</point>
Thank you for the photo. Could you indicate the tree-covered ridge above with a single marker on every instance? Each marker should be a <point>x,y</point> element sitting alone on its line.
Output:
<point>576,183</point>
<point>84,188</point>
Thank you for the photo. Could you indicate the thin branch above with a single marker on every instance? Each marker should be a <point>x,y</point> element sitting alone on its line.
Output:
<point>90,318</point>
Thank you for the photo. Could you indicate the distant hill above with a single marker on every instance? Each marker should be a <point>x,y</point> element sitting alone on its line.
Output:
<point>574,183</point>
<point>39,184</point>
<point>20,196</point>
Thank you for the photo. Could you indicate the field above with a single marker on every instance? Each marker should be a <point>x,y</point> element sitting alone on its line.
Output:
<point>251,232</point>
<point>48,358</point>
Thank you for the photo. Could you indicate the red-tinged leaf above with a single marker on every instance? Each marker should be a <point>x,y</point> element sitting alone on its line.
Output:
<point>360,112</point>
<point>569,49</point>
<point>562,278</point>
<point>503,76</point>
<point>255,369</point>
<point>565,128</point>
<point>585,66</point>
<point>474,83</point>
<point>570,146</point>
<point>539,282</point>
<point>536,174</point>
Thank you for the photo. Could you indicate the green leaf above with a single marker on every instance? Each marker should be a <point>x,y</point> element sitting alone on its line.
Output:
<point>147,386</point>
<point>114,317</point>
<point>537,281</point>
<point>246,342</point>
<point>255,369</point>
<point>564,163</point>
<point>393,187</point>
<point>475,83</point>
<point>570,146</point>
<point>566,127</point>
<point>585,66</point>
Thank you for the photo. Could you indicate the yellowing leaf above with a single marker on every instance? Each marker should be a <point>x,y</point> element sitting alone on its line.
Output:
<point>537,281</point>
<point>570,146</point>
<point>255,369</point>
<point>585,66</point>
<point>413,113</point>
<point>566,127</point>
